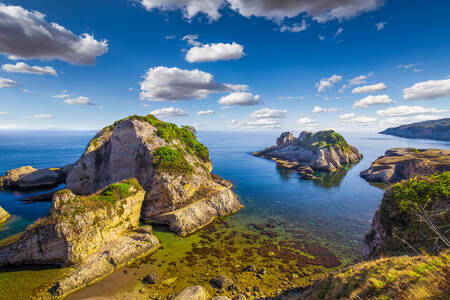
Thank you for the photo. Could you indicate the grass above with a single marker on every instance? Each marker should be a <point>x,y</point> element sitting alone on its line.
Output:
<point>404,277</point>
<point>321,139</point>
<point>172,161</point>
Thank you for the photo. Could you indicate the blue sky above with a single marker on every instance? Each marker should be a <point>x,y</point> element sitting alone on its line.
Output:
<point>346,65</point>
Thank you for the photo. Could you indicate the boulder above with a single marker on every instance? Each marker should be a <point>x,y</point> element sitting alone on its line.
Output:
<point>221,298</point>
<point>151,278</point>
<point>3,215</point>
<point>191,293</point>
<point>221,282</point>
<point>323,150</point>
<point>404,163</point>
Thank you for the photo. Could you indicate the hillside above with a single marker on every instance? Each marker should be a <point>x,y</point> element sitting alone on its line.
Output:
<point>433,130</point>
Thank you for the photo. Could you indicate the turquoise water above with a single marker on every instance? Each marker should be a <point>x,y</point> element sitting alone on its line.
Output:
<point>338,208</point>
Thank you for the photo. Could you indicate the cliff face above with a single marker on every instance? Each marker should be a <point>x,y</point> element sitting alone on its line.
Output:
<point>3,215</point>
<point>168,161</point>
<point>404,163</point>
<point>434,130</point>
<point>401,217</point>
<point>324,150</point>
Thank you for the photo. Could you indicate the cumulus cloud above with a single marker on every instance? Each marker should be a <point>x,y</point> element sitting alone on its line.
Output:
<point>169,112</point>
<point>22,67</point>
<point>369,88</point>
<point>79,101</point>
<point>327,82</point>
<point>3,112</point>
<point>361,79</point>
<point>214,52</point>
<point>39,117</point>
<point>252,124</point>
<point>61,96</point>
<point>307,123</point>
<point>6,83</point>
<point>373,100</point>
<point>27,35</point>
<point>380,25</point>
<point>240,98</point>
<point>404,110</point>
<point>296,27</point>
<point>205,112</point>
<point>353,118</point>
<point>319,109</point>
<point>162,83</point>
<point>265,113</point>
<point>431,89</point>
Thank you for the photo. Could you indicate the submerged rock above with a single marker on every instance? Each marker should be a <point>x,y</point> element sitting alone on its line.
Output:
<point>191,293</point>
<point>29,178</point>
<point>3,215</point>
<point>323,150</point>
<point>170,164</point>
<point>398,164</point>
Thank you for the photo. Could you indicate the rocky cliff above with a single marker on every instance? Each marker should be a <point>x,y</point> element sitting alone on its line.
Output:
<point>95,234</point>
<point>323,150</point>
<point>434,130</point>
<point>171,165</point>
<point>403,163</point>
<point>402,221</point>
<point>3,215</point>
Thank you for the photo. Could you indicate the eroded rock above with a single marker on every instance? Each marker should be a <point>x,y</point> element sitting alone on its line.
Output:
<point>29,178</point>
<point>191,293</point>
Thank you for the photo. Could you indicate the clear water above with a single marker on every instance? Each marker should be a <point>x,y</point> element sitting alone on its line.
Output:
<point>336,210</point>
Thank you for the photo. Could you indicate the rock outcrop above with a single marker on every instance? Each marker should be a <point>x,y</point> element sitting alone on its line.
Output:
<point>403,163</point>
<point>96,234</point>
<point>29,178</point>
<point>191,293</point>
<point>323,150</point>
<point>3,215</point>
<point>403,219</point>
<point>433,130</point>
<point>170,164</point>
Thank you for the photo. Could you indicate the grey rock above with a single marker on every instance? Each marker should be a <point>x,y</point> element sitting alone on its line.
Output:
<point>191,293</point>
<point>239,297</point>
<point>29,178</point>
<point>151,278</point>
<point>285,138</point>
<point>221,282</point>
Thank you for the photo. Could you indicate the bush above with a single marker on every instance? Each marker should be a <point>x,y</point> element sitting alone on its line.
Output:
<point>168,160</point>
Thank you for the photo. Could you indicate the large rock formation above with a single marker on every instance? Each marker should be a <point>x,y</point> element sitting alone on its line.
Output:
<point>403,163</point>
<point>29,178</point>
<point>323,150</point>
<point>170,164</point>
<point>403,219</point>
<point>434,130</point>
<point>3,215</point>
<point>96,234</point>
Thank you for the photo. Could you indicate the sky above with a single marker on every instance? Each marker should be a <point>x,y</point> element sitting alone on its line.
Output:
<point>224,64</point>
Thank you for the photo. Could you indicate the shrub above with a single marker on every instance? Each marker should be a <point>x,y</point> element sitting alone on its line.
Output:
<point>168,160</point>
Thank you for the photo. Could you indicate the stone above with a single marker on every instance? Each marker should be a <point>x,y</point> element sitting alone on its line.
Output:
<point>221,282</point>
<point>323,150</point>
<point>151,278</point>
<point>239,297</point>
<point>4,215</point>
<point>221,298</point>
<point>307,176</point>
<point>29,178</point>
<point>305,170</point>
<point>250,268</point>
<point>399,164</point>
<point>191,293</point>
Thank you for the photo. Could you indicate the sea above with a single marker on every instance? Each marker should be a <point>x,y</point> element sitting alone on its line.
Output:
<point>333,213</point>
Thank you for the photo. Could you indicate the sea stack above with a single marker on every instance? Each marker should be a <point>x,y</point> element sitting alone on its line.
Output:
<point>322,151</point>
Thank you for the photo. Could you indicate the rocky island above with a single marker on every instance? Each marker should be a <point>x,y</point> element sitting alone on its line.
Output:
<point>321,151</point>
<point>404,163</point>
<point>433,130</point>
<point>138,169</point>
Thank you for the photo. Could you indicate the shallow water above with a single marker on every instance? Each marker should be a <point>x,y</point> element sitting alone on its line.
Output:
<point>301,226</point>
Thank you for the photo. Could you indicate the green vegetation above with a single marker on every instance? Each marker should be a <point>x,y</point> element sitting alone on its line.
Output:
<point>168,160</point>
<point>389,278</point>
<point>434,129</point>
<point>321,139</point>
<point>171,132</point>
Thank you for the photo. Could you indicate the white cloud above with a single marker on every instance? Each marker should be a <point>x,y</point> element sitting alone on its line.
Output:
<point>3,112</point>
<point>205,112</point>
<point>296,27</point>
<point>369,88</point>
<point>162,83</point>
<point>380,25</point>
<point>252,124</point>
<point>237,87</point>
<point>394,121</point>
<point>169,112</point>
<point>27,35</point>
<point>321,37</point>
<point>240,98</point>
<point>39,117</point>
<point>170,37</point>
<point>319,10</point>
<point>431,89</point>
<point>361,79</point>
<point>338,32</point>
<point>191,39</point>
<point>373,100</point>
<point>353,118</point>
<point>265,113</point>
<point>327,82</point>
<point>61,96</point>
<point>214,52</point>
<point>6,83</point>
<point>307,122</point>
<point>79,101</point>
<point>404,110</point>
<point>22,67</point>
<point>408,66</point>
<point>319,109</point>
<point>291,98</point>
